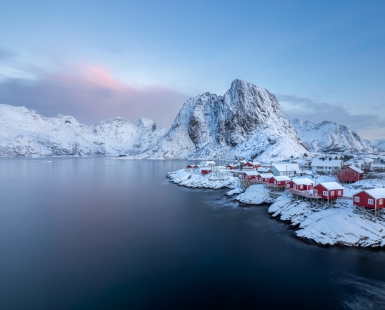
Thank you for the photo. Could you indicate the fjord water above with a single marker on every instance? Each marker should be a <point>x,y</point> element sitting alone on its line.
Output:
<point>99,233</point>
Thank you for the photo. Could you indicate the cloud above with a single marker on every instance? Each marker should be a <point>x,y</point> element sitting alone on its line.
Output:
<point>368,125</point>
<point>6,55</point>
<point>91,93</point>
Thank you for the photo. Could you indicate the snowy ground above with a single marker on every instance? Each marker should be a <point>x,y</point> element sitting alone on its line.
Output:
<point>255,194</point>
<point>193,179</point>
<point>336,225</point>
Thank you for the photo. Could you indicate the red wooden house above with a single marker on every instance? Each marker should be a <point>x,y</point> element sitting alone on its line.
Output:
<point>370,199</point>
<point>350,174</point>
<point>250,175</point>
<point>256,165</point>
<point>304,184</point>
<point>279,180</point>
<point>231,167</point>
<point>192,166</point>
<point>329,190</point>
<point>248,165</point>
<point>205,170</point>
<point>264,177</point>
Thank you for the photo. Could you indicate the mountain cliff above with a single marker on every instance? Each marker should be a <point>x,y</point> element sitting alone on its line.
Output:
<point>379,143</point>
<point>25,133</point>
<point>247,121</point>
<point>330,137</point>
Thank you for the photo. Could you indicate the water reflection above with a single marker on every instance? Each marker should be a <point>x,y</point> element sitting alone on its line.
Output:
<point>95,233</point>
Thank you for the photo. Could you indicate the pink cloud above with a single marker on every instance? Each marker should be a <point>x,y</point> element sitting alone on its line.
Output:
<point>91,93</point>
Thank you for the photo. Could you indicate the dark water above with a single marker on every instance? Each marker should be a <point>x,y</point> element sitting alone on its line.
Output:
<point>97,233</point>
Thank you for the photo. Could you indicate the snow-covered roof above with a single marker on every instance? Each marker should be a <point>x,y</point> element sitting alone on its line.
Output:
<point>251,172</point>
<point>376,193</point>
<point>255,163</point>
<point>209,162</point>
<point>304,181</point>
<point>332,185</point>
<point>282,178</point>
<point>260,169</point>
<point>326,163</point>
<point>286,167</point>
<point>266,175</point>
<point>356,169</point>
<point>378,166</point>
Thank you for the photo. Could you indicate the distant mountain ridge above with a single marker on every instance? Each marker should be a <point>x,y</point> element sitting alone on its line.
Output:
<point>24,132</point>
<point>379,143</point>
<point>247,121</point>
<point>330,137</point>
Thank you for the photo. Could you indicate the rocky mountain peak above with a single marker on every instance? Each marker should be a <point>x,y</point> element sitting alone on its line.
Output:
<point>208,123</point>
<point>330,137</point>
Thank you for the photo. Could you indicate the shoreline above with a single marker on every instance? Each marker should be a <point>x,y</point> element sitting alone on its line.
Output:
<point>322,225</point>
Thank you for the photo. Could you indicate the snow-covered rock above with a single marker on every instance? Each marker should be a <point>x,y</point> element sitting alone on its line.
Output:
<point>336,225</point>
<point>247,121</point>
<point>24,132</point>
<point>330,137</point>
<point>255,195</point>
<point>193,179</point>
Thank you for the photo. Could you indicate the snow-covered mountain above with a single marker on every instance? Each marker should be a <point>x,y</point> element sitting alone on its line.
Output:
<point>379,143</point>
<point>247,121</point>
<point>330,137</point>
<point>25,133</point>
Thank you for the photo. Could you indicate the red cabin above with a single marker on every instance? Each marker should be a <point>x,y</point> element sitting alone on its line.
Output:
<point>192,166</point>
<point>329,190</point>
<point>256,165</point>
<point>304,184</point>
<point>248,165</point>
<point>205,170</point>
<point>370,199</point>
<point>279,180</point>
<point>250,175</point>
<point>231,167</point>
<point>350,174</point>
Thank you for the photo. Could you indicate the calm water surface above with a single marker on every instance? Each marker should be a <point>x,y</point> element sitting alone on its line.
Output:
<point>98,233</point>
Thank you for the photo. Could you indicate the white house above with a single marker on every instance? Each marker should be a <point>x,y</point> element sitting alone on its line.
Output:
<point>326,166</point>
<point>207,163</point>
<point>285,169</point>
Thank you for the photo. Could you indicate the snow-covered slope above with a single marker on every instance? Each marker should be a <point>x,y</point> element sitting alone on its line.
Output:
<point>246,121</point>
<point>25,133</point>
<point>328,137</point>
<point>379,143</point>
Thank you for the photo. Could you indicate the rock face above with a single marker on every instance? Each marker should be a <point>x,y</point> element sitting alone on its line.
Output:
<point>330,137</point>
<point>246,121</point>
<point>25,133</point>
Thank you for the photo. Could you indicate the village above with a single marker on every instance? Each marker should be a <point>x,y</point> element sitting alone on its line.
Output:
<point>301,191</point>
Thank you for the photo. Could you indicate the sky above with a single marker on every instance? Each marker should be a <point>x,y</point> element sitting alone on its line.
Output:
<point>94,60</point>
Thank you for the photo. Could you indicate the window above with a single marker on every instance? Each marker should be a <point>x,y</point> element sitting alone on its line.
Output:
<point>275,182</point>
<point>371,201</point>
<point>380,202</point>
<point>316,192</point>
<point>332,193</point>
<point>301,186</point>
<point>287,185</point>
<point>325,193</point>
<point>357,199</point>
<point>339,192</point>
<point>295,186</point>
